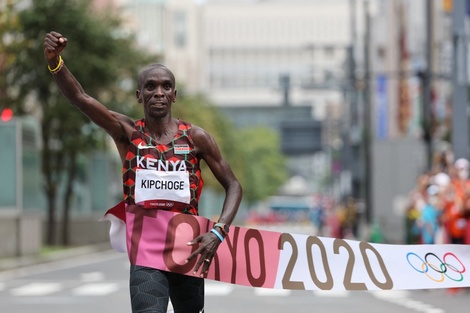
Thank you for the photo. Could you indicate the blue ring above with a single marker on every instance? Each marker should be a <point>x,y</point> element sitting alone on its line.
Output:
<point>408,259</point>
<point>217,234</point>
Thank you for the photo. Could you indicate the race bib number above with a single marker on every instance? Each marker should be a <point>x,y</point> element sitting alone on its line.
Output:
<point>160,189</point>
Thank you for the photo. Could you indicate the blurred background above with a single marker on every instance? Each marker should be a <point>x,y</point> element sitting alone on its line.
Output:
<point>331,113</point>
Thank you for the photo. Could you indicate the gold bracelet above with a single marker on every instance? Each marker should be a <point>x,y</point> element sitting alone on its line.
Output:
<point>58,67</point>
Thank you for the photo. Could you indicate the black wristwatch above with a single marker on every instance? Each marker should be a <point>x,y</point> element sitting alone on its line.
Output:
<point>223,227</point>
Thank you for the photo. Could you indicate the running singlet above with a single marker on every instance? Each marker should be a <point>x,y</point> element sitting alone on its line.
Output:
<point>162,176</point>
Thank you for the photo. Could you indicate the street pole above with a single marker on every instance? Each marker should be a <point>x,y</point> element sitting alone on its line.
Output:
<point>460,135</point>
<point>367,129</point>
<point>353,130</point>
<point>427,86</point>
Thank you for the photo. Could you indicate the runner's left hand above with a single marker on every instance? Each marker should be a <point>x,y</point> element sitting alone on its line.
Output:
<point>208,244</point>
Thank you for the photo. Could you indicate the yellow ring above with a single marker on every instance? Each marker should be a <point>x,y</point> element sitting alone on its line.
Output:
<point>57,67</point>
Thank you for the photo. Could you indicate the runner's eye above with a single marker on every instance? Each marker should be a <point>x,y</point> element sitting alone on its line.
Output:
<point>150,86</point>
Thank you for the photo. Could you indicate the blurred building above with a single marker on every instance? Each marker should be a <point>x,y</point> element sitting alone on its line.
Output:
<point>294,62</point>
<point>277,63</point>
<point>345,80</point>
<point>409,70</point>
<point>237,51</point>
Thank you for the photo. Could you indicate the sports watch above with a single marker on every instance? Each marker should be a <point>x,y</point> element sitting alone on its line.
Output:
<point>223,227</point>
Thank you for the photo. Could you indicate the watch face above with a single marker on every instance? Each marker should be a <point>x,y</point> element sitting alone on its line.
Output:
<point>225,228</point>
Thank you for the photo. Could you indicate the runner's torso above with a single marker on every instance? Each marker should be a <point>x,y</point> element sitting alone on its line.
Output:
<point>162,176</point>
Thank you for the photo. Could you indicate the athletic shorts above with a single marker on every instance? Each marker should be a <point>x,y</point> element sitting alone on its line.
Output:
<point>151,290</point>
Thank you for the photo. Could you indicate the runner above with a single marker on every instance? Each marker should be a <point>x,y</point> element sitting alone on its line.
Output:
<point>160,156</point>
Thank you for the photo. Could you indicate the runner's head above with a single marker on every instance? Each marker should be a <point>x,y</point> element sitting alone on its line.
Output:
<point>156,90</point>
<point>151,67</point>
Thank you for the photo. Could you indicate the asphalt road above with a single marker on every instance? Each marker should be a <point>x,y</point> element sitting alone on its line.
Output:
<point>97,282</point>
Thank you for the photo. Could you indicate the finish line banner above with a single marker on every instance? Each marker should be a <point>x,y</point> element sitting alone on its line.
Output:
<point>268,259</point>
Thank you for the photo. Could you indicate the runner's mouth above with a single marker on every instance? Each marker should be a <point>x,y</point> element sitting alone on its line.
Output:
<point>158,105</point>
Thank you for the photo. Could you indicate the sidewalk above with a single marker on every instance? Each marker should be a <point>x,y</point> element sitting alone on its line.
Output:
<point>13,263</point>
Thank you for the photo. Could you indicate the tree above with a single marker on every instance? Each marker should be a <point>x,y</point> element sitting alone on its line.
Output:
<point>100,56</point>
<point>253,153</point>
<point>104,59</point>
<point>8,23</point>
<point>265,170</point>
<point>199,111</point>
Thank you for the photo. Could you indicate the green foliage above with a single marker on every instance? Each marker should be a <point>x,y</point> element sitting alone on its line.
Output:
<point>102,59</point>
<point>106,61</point>
<point>99,56</point>
<point>253,153</point>
<point>8,22</point>
<point>199,111</point>
<point>265,170</point>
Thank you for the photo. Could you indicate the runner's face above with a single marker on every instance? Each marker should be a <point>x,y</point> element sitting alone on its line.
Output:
<point>157,92</point>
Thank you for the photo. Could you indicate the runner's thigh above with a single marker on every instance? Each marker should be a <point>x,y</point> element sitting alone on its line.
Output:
<point>186,293</point>
<point>149,290</point>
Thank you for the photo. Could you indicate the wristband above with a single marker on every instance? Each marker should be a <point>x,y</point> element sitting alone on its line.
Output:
<point>217,234</point>
<point>58,67</point>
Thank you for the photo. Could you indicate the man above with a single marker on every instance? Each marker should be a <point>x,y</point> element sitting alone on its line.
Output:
<point>157,149</point>
<point>456,215</point>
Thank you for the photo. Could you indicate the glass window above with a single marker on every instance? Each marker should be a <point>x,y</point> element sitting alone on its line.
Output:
<point>180,29</point>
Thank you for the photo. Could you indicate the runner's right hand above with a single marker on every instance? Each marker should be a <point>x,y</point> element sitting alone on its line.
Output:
<point>54,43</point>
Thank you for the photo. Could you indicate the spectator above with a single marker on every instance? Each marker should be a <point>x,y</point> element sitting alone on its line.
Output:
<point>430,216</point>
<point>455,215</point>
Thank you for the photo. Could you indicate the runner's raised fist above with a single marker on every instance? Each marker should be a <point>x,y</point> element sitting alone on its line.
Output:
<point>54,43</point>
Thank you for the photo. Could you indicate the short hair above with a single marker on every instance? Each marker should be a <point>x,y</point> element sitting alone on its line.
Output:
<point>151,67</point>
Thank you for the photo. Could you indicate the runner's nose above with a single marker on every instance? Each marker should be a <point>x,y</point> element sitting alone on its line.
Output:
<point>158,92</point>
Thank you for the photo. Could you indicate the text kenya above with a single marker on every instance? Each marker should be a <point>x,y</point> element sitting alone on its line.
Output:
<point>159,165</point>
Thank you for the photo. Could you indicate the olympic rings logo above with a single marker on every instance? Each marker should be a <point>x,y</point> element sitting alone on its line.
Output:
<point>449,266</point>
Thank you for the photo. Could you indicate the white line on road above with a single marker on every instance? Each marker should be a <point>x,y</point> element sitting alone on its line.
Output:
<point>96,289</point>
<point>400,297</point>
<point>92,277</point>
<point>36,289</point>
<point>217,289</point>
<point>266,292</point>
<point>331,293</point>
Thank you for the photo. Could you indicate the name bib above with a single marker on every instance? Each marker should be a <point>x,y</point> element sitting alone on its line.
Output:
<point>159,189</point>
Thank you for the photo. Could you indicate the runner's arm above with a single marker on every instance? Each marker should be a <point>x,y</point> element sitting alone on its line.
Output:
<point>208,150</point>
<point>116,125</point>
<point>210,153</point>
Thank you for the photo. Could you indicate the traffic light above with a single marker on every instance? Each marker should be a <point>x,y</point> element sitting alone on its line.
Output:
<point>7,114</point>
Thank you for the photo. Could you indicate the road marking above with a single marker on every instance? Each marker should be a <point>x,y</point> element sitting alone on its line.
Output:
<point>96,289</point>
<point>400,297</point>
<point>2,286</point>
<point>331,293</point>
<point>36,289</point>
<point>391,295</point>
<point>266,292</point>
<point>218,289</point>
<point>221,289</point>
<point>92,277</point>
